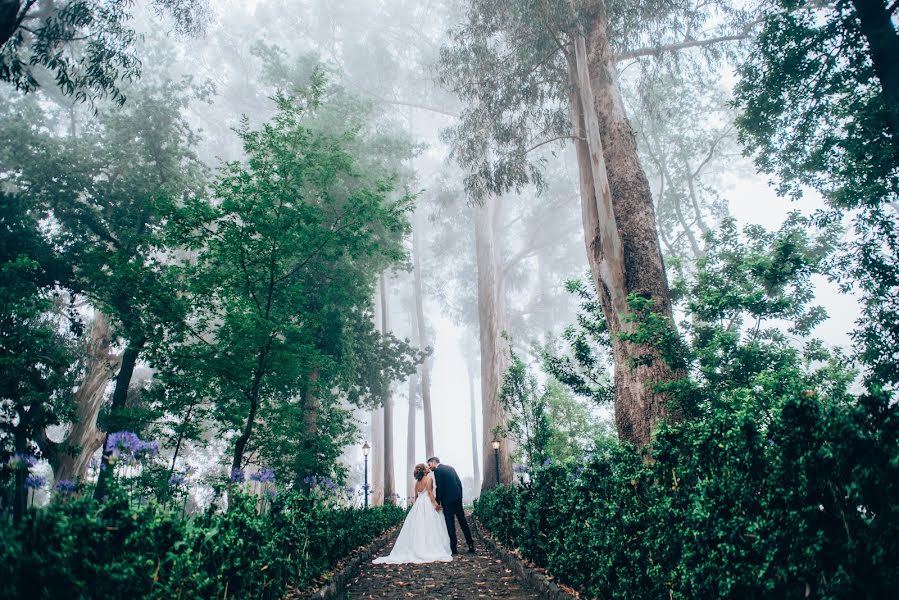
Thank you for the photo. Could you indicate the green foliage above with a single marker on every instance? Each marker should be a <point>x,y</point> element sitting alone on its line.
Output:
<point>584,368</point>
<point>573,425</point>
<point>546,422</point>
<point>790,499</point>
<point>781,483</point>
<point>36,339</point>
<point>814,116</point>
<point>527,422</point>
<point>78,548</point>
<point>87,47</point>
<point>509,61</point>
<point>281,290</point>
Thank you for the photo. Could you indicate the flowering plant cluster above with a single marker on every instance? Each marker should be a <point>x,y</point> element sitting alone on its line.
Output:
<point>34,482</point>
<point>126,446</point>
<point>65,487</point>
<point>263,476</point>
<point>322,483</point>
<point>21,460</point>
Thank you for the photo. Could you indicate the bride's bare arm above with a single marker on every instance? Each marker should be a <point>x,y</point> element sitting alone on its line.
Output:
<point>429,486</point>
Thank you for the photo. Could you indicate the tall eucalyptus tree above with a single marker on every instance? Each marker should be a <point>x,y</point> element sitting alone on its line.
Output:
<point>539,73</point>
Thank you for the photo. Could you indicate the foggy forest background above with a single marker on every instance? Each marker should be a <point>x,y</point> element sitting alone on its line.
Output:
<point>629,267</point>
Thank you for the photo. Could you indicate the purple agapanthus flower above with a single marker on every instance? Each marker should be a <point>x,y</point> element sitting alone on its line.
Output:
<point>65,486</point>
<point>33,482</point>
<point>21,460</point>
<point>263,476</point>
<point>329,484</point>
<point>237,476</point>
<point>577,472</point>
<point>147,449</point>
<point>310,480</point>
<point>520,469</point>
<point>128,446</point>
<point>177,479</point>
<point>271,492</point>
<point>547,462</point>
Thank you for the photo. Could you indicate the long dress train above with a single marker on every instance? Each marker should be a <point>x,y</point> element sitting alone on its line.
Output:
<point>423,537</point>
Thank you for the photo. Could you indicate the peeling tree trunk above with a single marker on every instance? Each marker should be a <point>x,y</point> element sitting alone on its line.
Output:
<point>494,359</point>
<point>619,228</point>
<point>71,456</point>
<point>389,478</point>
<point>410,440</point>
<point>422,337</point>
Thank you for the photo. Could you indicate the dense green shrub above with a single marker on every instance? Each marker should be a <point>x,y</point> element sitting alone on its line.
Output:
<point>79,548</point>
<point>803,502</point>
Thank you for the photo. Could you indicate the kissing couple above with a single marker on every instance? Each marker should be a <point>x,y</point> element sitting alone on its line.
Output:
<point>425,536</point>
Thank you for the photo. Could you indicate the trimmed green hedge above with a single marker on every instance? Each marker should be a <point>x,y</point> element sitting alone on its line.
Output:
<point>82,549</point>
<point>800,502</point>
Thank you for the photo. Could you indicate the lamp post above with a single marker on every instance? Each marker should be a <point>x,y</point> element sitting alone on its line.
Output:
<point>365,449</point>
<point>495,444</point>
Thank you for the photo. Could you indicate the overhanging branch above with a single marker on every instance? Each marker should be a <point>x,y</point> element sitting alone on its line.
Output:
<point>744,34</point>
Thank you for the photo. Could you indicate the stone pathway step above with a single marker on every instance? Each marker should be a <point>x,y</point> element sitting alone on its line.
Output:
<point>479,575</point>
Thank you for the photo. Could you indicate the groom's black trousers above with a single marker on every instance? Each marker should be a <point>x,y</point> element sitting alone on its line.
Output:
<point>453,510</point>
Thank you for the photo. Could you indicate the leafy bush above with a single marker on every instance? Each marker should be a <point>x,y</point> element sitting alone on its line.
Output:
<point>802,503</point>
<point>779,482</point>
<point>79,548</point>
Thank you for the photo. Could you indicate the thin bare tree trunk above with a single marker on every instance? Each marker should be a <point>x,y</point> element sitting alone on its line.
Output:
<point>494,358</point>
<point>389,478</point>
<point>119,398</point>
<point>422,335</point>
<point>312,407</point>
<point>472,408</point>
<point>619,228</point>
<point>376,473</point>
<point>410,439</point>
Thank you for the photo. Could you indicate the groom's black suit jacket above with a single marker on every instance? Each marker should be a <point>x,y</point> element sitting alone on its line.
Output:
<point>449,486</point>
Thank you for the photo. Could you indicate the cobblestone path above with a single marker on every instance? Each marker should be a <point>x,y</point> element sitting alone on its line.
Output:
<point>479,575</point>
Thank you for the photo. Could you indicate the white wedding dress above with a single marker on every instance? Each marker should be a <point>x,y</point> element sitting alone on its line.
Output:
<point>423,538</point>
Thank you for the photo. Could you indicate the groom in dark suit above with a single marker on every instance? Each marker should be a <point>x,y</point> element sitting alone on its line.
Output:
<point>449,499</point>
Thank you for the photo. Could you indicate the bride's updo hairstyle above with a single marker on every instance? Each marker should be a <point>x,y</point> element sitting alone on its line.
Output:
<point>420,471</point>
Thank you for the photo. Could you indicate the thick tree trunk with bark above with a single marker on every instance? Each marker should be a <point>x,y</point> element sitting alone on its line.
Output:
<point>877,27</point>
<point>619,228</point>
<point>424,369</point>
<point>494,358</point>
<point>9,19</point>
<point>389,478</point>
<point>410,439</point>
<point>70,457</point>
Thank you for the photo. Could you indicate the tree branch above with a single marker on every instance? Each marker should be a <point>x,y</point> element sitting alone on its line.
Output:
<point>657,50</point>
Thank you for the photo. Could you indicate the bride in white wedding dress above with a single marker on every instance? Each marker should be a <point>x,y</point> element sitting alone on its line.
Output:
<point>423,537</point>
